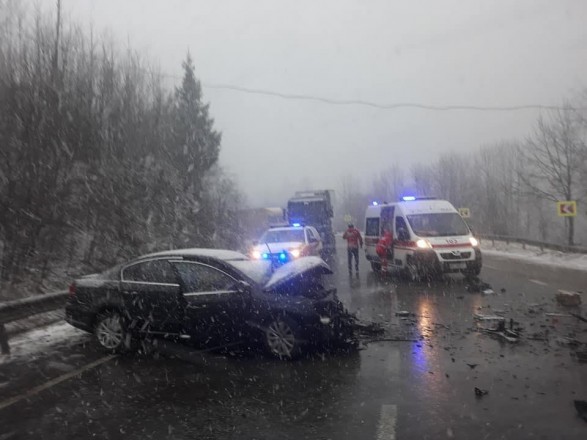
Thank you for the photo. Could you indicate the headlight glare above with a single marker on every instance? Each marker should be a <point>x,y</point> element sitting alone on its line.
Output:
<point>423,244</point>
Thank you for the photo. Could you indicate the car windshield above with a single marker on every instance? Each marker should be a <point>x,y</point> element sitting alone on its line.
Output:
<point>438,225</point>
<point>282,236</point>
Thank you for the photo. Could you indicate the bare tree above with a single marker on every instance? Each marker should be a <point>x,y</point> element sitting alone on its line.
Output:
<point>554,160</point>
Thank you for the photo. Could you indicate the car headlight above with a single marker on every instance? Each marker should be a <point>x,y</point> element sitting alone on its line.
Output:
<point>295,253</point>
<point>474,241</point>
<point>423,244</point>
<point>256,255</point>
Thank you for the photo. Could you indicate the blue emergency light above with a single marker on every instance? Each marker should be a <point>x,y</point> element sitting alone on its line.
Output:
<point>265,255</point>
<point>374,203</point>
<point>296,225</point>
<point>282,256</point>
<point>408,198</point>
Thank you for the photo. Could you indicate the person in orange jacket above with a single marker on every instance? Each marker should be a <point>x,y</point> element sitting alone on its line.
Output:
<point>354,240</point>
<point>384,248</point>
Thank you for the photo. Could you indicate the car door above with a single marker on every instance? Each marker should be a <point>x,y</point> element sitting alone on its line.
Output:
<point>215,309</point>
<point>151,296</point>
<point>313,240</point>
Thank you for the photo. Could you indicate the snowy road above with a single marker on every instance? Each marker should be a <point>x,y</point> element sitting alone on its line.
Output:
<point>64,387</point>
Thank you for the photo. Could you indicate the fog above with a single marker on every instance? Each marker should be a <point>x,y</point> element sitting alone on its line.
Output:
<point>478,53</point>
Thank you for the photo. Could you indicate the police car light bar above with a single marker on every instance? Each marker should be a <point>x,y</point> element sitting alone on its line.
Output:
<point>413,198</point>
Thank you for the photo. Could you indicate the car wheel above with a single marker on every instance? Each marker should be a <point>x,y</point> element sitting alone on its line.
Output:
<point>110,331</point>
<point>413,273</point>
<point>282,338</point>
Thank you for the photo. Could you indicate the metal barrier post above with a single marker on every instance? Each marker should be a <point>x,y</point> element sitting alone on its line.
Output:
<point>4,340</point>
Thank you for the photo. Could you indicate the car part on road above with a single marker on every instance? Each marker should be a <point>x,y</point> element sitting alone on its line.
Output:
<point>568,299</point>
<point>489,322</point>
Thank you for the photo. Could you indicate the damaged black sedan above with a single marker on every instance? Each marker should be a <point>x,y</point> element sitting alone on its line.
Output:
<point>211,298</point>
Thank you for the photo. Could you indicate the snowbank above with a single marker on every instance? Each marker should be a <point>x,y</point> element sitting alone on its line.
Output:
<point>43,341</point>
<point>533,254</point>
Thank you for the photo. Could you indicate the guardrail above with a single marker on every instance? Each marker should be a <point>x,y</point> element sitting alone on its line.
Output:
<point>540,244</point>
<point>23,308</point>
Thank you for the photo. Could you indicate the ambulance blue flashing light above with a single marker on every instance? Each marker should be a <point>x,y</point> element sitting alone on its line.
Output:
<point>408,198</point>
<point>296,225</point>
<point>374,203</point>
<point>265,256</point>
<point>282,256</point>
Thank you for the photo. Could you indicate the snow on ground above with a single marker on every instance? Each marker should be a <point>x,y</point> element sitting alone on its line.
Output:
<point>533,254</point>
<point>42,341</point>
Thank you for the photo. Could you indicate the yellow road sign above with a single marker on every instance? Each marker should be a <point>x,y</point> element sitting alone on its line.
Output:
<point>566,208</point>
<point>465,212</point>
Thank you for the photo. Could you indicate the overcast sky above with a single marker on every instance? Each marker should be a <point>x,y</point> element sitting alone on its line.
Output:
<point>468,52</point>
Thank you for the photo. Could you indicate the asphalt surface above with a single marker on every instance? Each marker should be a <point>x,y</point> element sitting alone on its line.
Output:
<point>417,384</point>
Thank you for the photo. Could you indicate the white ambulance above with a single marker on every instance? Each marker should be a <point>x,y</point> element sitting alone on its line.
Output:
<point>429,238</point>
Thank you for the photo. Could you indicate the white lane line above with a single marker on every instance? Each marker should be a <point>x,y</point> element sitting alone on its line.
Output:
<point>387,421</point>
<point>8,402</point>
<point>540,283</point>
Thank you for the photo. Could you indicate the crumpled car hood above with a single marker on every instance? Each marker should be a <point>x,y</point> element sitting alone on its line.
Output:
<point>296,268</point>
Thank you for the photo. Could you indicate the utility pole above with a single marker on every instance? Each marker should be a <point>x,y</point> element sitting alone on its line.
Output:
<point>57,34</point>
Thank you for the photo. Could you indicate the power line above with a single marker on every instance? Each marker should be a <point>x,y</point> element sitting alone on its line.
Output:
<point>392,106</point>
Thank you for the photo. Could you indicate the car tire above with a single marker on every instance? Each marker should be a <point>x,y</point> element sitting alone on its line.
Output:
<point>413,272</point>
<point>110,332</point>
<point>283,338</point>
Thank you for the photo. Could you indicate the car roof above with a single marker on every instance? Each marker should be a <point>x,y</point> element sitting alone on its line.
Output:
<point>220,254</point>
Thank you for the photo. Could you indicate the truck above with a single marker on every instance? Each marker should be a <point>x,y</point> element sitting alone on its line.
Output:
<point>314,208</point>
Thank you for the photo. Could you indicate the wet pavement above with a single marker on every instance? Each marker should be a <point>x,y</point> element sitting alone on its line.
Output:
<point>415,381</point>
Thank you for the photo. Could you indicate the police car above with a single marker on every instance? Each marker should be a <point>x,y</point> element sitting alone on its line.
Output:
<point>429,237</point>
<point>283,244</point>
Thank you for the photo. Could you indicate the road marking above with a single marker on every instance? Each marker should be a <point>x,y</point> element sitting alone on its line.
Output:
<point>8,402</point>
<point>387,421</point>
<point>540,283</point>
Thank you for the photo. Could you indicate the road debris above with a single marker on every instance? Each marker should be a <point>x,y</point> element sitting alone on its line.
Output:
<point>472,366</point>
<point>480,393</point>
<point>581,407</point>
<point>403,314</point>
<point>568,342</point>
<point>568,299</point>
<point>487,292</point>
<point>579,317</point>
<point>476,285</point>
<point>489,322</point>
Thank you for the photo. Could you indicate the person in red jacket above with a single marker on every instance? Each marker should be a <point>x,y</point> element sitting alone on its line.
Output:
<point>354,240</point>
<point>383,249</point>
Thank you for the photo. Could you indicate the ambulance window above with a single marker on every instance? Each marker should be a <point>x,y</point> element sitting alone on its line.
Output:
<point>387,219</point>
<point>400,223</point>
<point>372,227</point>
